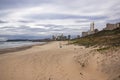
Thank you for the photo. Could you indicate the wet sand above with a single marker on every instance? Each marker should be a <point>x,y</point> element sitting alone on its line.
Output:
<point>16,49</point>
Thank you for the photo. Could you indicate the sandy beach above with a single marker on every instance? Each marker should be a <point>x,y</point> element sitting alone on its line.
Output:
<point>50,62</point>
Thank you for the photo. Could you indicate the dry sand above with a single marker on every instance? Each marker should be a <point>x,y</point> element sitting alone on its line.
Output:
<point>50,62</point>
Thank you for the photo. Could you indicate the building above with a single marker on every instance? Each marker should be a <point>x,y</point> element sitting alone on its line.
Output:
<point>91,31</point>
<point>59,37</point>
<point>118,25</point>
<point>112,26</point>
<point>92,27</point>
<point>84,34</point>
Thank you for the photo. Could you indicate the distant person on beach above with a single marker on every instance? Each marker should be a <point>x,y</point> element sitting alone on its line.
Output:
<point>60,45</point>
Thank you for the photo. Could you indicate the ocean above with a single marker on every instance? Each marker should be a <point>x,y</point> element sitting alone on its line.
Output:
<point>5,45</point>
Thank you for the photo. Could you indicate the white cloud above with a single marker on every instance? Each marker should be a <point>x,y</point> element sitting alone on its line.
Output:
<point>75,15</point>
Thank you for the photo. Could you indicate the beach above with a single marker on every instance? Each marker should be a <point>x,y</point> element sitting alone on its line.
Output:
<point>20,47</point>
<point>54,62</point>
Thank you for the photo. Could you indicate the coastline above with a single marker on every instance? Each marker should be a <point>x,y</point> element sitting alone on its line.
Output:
<point>21,48</point>
<point>52,62</point>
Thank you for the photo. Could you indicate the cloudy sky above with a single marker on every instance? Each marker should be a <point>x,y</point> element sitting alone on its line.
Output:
<point>43,18</point>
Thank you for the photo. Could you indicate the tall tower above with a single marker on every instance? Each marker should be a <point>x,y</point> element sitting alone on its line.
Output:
<point>92,27</point>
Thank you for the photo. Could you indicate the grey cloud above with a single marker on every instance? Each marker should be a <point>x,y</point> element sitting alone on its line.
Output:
<point>113,21</point>
<point>23,29</point>
<point>1,21</point>
<point>54,16</point>
<point>67,25</point>
<point>24,36</point>
<point>102,11</point>
<point>50,25</point>
<point>81,21</point>
<point>6,4</point>
<point>26,30</point>
<point>58,29</point>
<point>23,32</point>
<point>26,21</point>
<point>2,13</point>
<point>19,30</point>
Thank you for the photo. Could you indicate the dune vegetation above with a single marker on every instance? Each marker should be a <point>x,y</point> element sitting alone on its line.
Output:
<point>106,38</point>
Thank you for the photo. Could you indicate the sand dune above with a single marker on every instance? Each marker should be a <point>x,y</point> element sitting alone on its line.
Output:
<point>50,62</point>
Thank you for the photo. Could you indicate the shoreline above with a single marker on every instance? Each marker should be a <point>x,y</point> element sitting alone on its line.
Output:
<point>21,48</point>
<point>51,62</point>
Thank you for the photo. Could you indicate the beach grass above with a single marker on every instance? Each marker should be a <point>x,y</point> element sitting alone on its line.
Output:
<point>108,38</point>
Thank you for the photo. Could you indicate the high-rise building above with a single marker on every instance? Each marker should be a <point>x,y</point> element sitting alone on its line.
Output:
<point>91,31</point>
<point>92,27</point>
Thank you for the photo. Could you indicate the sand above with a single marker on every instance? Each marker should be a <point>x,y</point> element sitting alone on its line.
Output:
<point>50,62</point>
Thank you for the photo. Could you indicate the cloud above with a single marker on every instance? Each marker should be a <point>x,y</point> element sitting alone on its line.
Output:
<point>50,16</point>
<point>1,21</point>
<point>25,21</point>
<point>6,4</point>
<point>37,32</point>
<point>47,17</point>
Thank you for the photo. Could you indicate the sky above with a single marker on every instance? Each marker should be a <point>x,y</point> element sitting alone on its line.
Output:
<point>43,18</point>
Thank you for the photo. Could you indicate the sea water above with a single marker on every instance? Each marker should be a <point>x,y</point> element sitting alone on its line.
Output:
<point>4,45</point>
